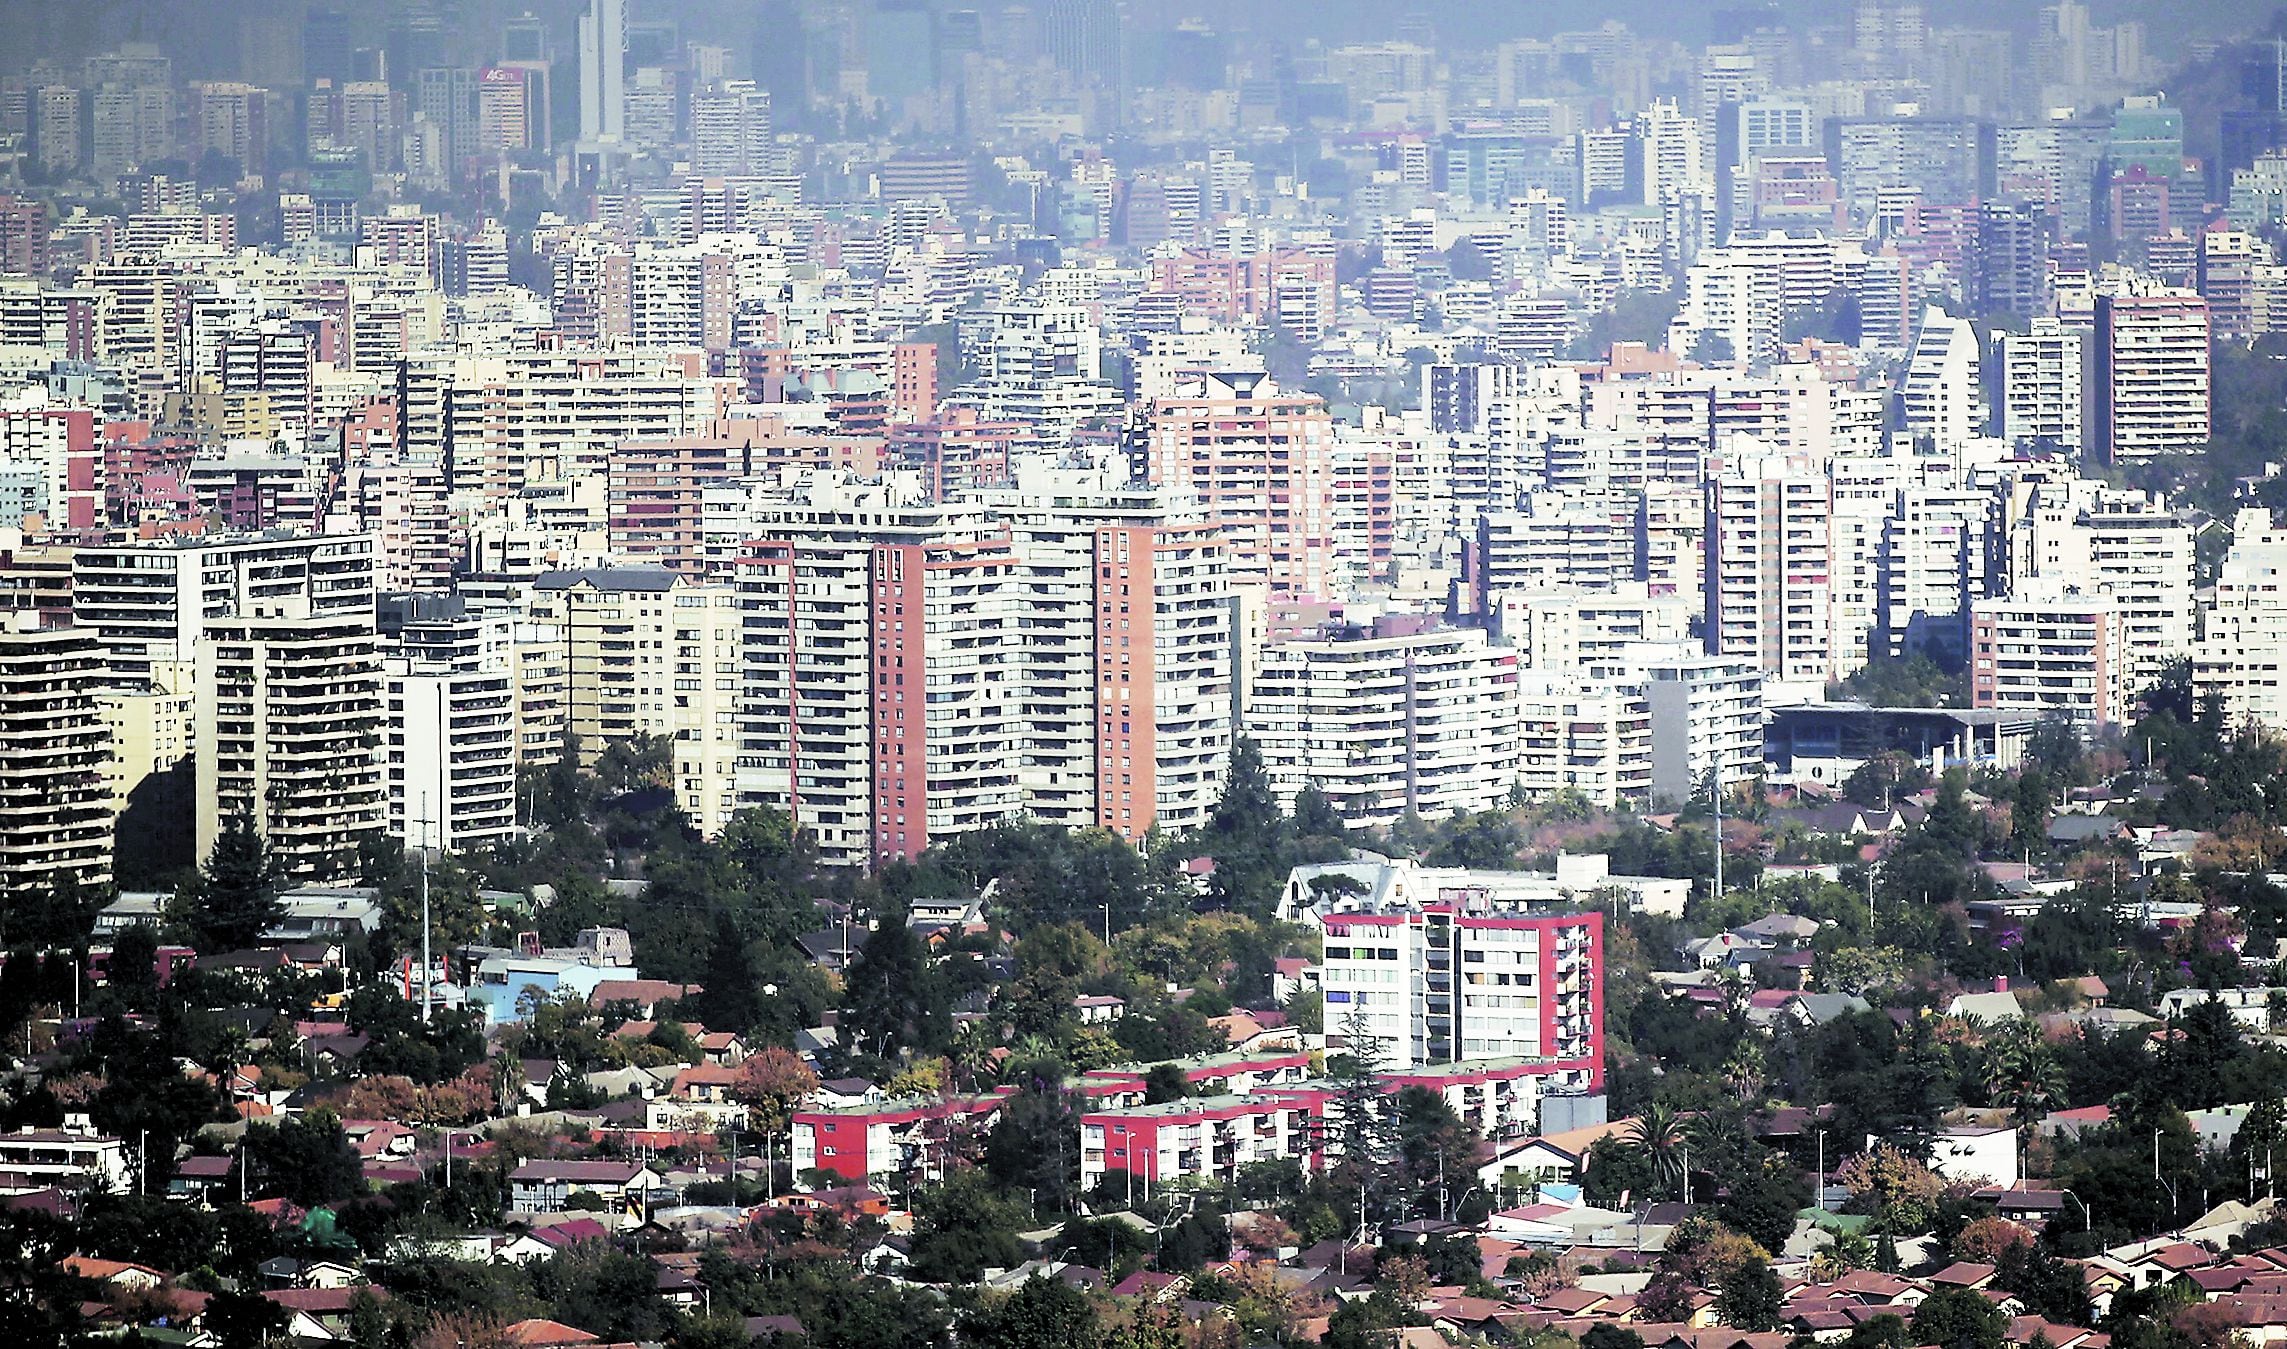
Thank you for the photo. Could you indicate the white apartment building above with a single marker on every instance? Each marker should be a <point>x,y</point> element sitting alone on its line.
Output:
<point>1671,532</point>
<point>1770,555</point>
<point>1421,723</point>
<point>1059,649</point>
<point>881,703</point>
<point>1733,312</point>
<point>57,812</point>
<point>1590,737</point>
<point>1706,722</point>
<point>1854,606</point>
<point>1556,543</point>
<point>2150,392</point>
<point>289,723</point>
<point>1451,980</point>
<point>535,417</point>
<point>1940,404</point>
<point>449,746</point>
<point>2040,387</point>
<point>1587,633</point>
<point>1934,546</point>
<point>2051,648</point>
<point>2086,534</point>
<point>1126,645</point>
<point>2243,647</point>
<point>153,602</point>
<point>647,653</point>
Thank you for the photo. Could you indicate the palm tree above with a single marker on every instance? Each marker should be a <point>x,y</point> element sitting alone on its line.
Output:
<point>2021,1074</point>
<point>1659,1137</point>
<point>1745,1070</point>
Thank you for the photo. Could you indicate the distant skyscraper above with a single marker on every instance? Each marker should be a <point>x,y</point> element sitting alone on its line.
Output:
<point>327,53</point>
<point>1084,37</point>
<point>448,97</point>
<point>2011,271</point>
<point>782,58</point>
<point>603,71</point>
<point>416,43</point>
<point>525,38</point>
<point>900,51</point>
<point>730,130</point>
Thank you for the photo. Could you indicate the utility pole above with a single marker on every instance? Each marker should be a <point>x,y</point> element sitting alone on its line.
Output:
<point>428,968</point>
<point>1715,794</point>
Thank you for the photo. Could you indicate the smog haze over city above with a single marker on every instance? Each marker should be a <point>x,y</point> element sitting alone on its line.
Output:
<point>1091,674</point>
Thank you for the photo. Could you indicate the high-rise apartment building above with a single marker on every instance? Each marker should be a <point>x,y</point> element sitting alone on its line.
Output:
<point>155,603</point>
<point>2040,388</point>
<point>1940,402</point>
<point>1126,647</point>
<point>1706,723</point>
<point>2011,273</point>
<point>882,686</point>
<point>449,743</point>
<point>648,654</point>
<point>2241,658</point>
<point>603,72</point>
<point>1259,462</point>
<point>912,674</point>
<point>2054,649</point>
<point>730,130</point>
<point>1453,978</point>
<point>1769,568</point>
<point>288,717</point>
<point>57,812</point>
<point>233,121</point>
<point>1389,725</point>
<point>1587,737</point>
<point>2150,393</point>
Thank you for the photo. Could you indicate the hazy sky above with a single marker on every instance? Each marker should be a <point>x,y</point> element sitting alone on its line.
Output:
<point>203,33</point>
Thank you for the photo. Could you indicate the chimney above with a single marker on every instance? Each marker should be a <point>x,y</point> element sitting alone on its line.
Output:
<point>2001,983</point>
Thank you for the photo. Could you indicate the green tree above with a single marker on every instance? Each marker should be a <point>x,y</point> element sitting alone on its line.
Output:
<point>1243,835</point>
<point>1887,1330</point>
<point>1357,1118</point>
<point>1958,1318</point>
<point>1042,1313</point>
<point>39,1297</point>
<point>892,1000</point>
<point>131,974</point>
<point>1749,1297</point>
<point>1315,816</point>
<point>306,1158</point>
<point>963,1225</point>
<point>730,996</point>
<point>1165,1082</point>
<point>235,895</point>
<point>597,1288</point>
<point>1437,1153</point>
<point>2029,811</point>
<point>244,1320</point>
<point>1033,1148</point>
<point>2022,1074</point>
<point>1657,1134</point>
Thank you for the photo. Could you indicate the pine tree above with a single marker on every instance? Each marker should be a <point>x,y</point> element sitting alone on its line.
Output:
<point>892,1000</point>
<point>730,996</point>
<point>236,894</point>
<point>1359,1122</point>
